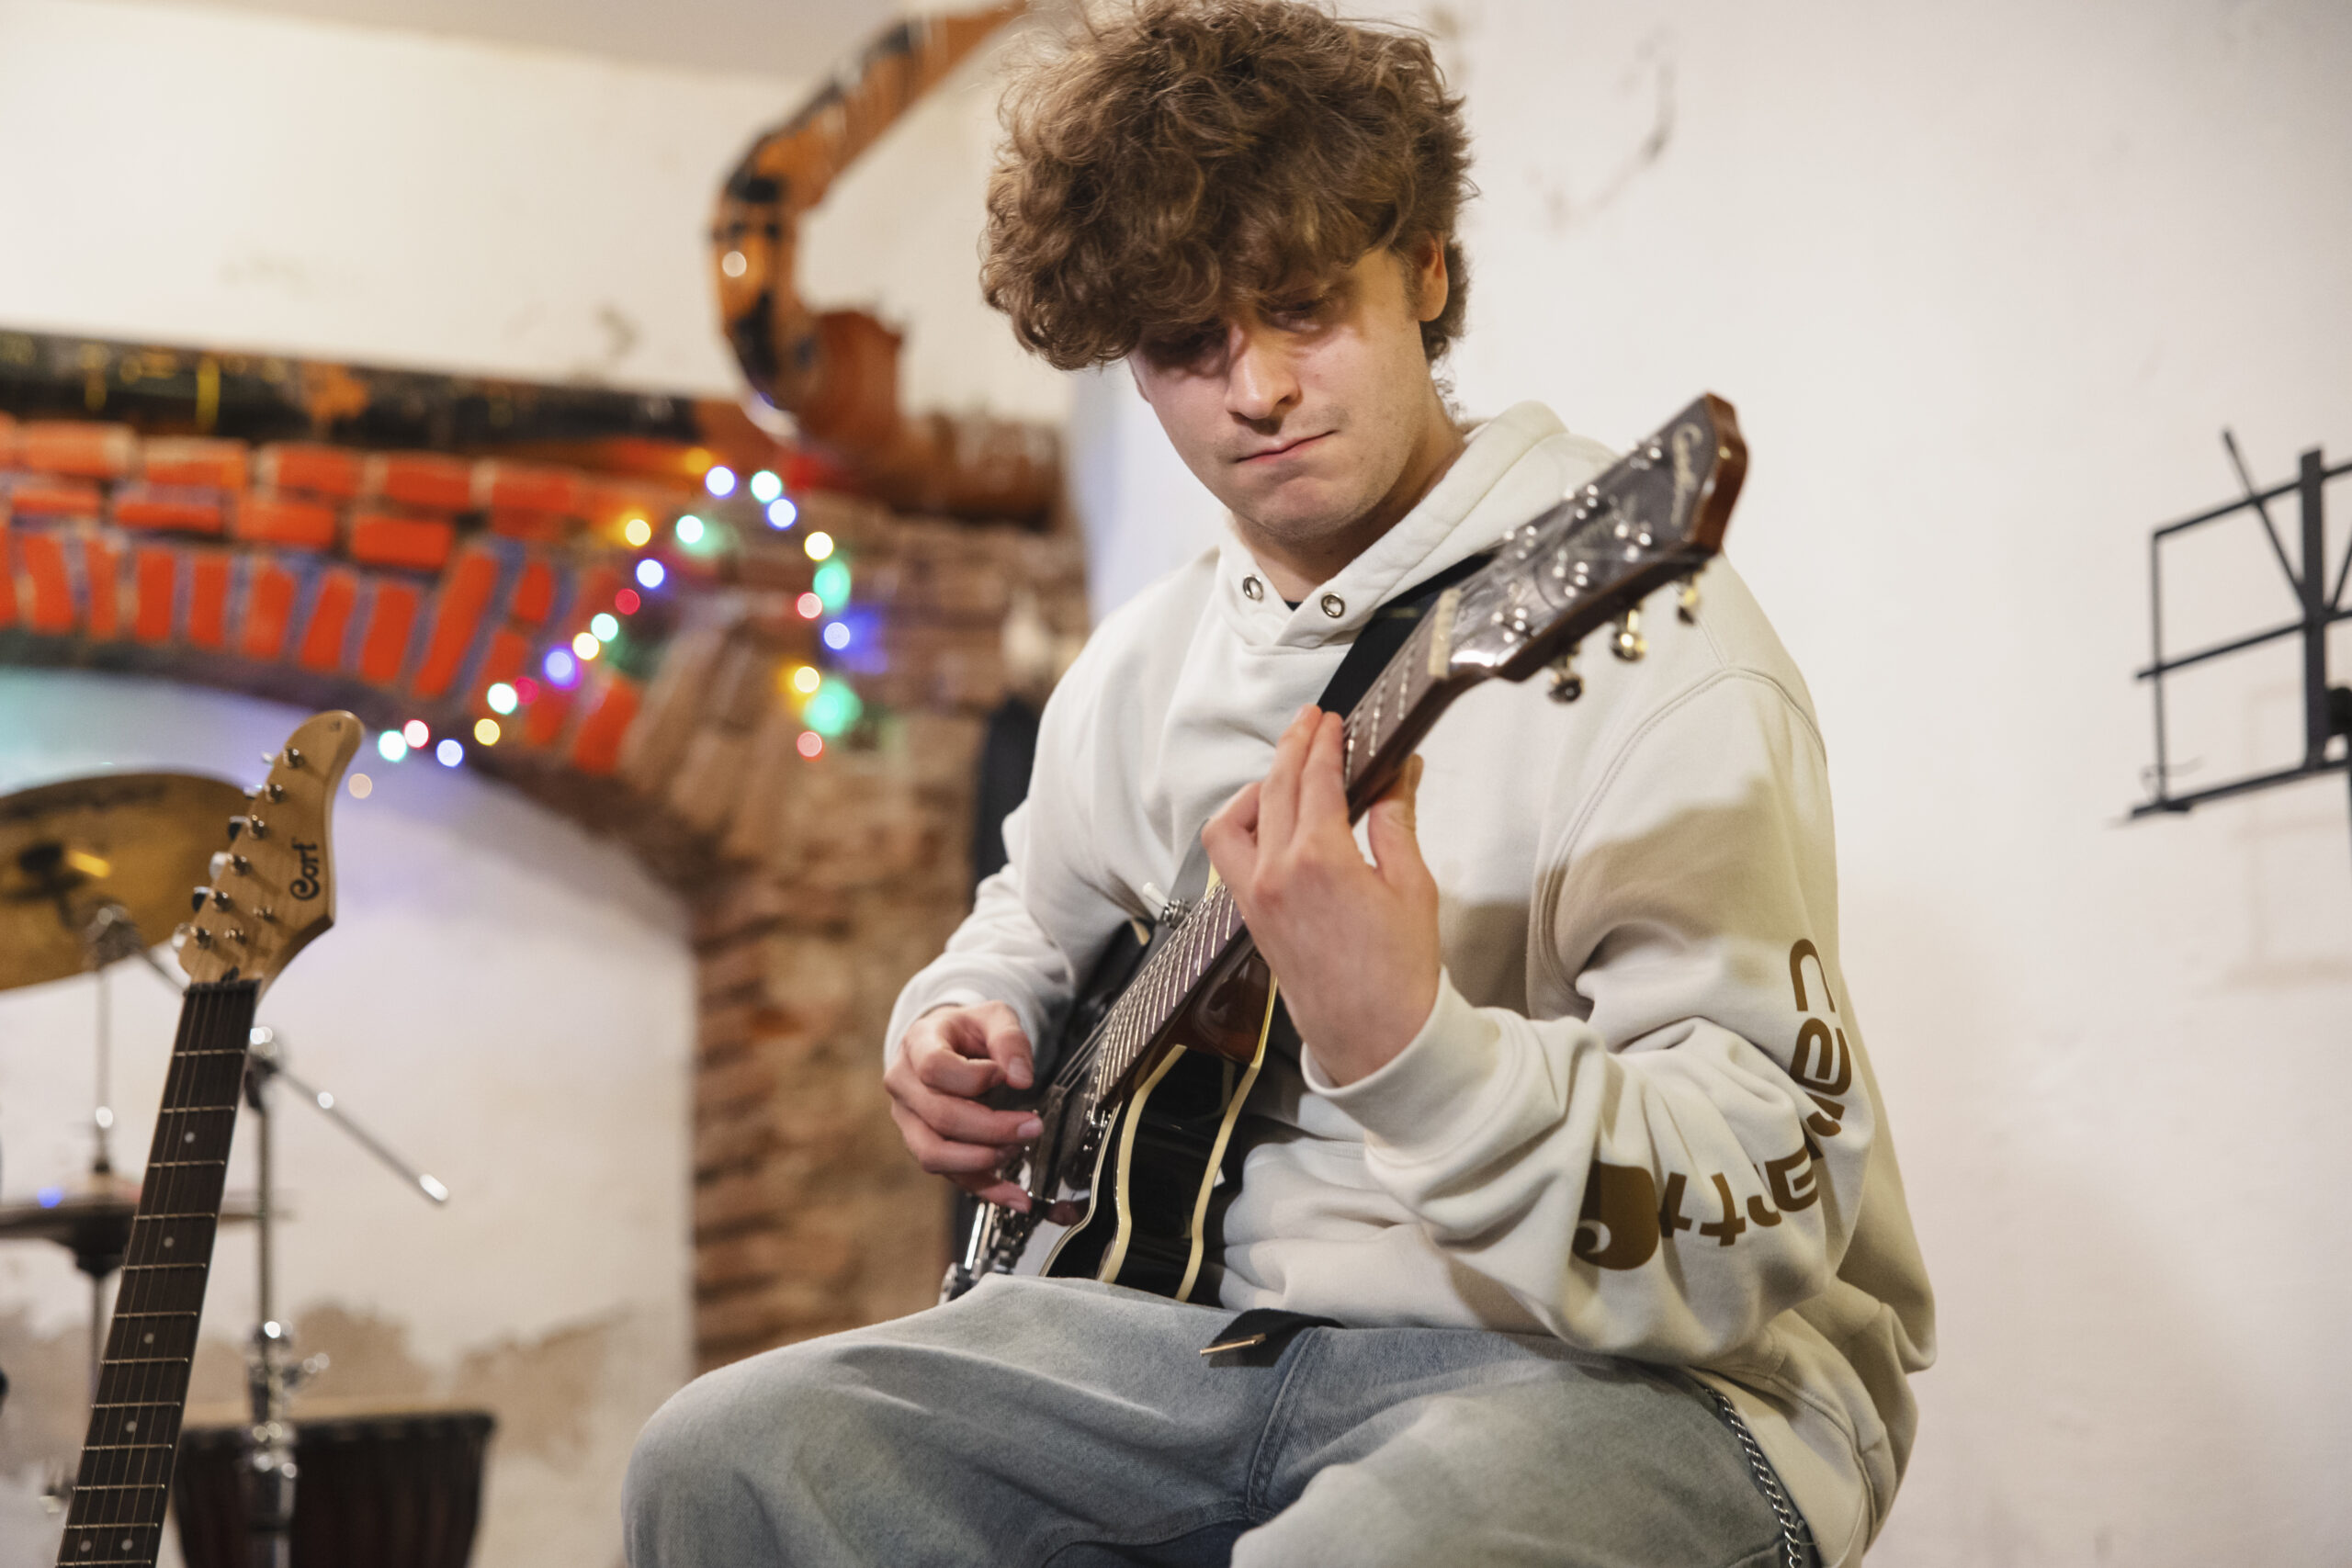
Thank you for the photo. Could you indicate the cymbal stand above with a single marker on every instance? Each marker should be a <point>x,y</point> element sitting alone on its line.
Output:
<point>271,1374</point>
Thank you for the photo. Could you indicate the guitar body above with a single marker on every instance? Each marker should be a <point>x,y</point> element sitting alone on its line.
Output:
<point>1157,1164</point>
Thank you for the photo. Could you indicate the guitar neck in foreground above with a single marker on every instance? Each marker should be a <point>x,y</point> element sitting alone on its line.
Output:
<point>117,1516</point>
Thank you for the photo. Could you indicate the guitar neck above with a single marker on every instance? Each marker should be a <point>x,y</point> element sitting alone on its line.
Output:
<point>116,1517</point>
<point>1383,728</point>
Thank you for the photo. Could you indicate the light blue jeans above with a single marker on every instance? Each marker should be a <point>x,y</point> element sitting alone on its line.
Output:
<point>1038,1422</point>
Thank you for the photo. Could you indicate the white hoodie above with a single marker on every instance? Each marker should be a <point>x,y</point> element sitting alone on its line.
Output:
<point>1639,1116</point>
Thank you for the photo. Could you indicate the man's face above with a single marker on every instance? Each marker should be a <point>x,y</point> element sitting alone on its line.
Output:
<point>1303,418</point>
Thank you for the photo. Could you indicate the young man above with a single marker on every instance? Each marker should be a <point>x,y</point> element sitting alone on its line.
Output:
<point>1580,1147</point>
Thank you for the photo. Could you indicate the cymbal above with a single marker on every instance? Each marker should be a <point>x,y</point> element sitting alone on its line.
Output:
<point>95,1226</point>
<point>67,849</point>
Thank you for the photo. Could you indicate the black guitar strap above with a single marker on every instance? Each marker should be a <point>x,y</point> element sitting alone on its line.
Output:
<point>1375,646</point>
<point>1385,632</point>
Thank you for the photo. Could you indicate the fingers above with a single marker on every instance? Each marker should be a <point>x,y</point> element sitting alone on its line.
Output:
<point>992,1190</point>
<point>1322,780</point>
<point>1395,846</point>
<point>968,1051</point>
<point>1007,1044</point>
<point>974,1167</point>
<point>1231,838</point>
<point>1278,796</point>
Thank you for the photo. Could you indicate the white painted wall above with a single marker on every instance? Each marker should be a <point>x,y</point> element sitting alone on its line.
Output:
<point>1985,281</point>
<point>503,1000</point>
<point>191,174</point>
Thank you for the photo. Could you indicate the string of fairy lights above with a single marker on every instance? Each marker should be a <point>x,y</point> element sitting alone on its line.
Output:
<point>823,701</point>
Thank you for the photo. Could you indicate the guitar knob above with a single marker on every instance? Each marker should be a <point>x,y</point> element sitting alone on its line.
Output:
<point>1627,643</point>
<point>1567,685</point>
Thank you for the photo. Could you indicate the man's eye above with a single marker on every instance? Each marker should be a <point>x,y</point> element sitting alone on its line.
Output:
<point>1185,347</point>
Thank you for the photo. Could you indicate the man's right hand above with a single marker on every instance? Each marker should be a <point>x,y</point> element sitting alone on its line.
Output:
<point>951,1056</point>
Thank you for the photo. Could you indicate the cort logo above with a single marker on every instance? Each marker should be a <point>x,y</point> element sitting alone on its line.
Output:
<point>307,884</point>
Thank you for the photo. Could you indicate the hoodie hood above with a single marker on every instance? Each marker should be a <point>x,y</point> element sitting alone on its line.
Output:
<point>1512,467</point>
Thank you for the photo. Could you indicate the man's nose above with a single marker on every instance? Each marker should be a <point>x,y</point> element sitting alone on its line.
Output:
<point>1261,382</point>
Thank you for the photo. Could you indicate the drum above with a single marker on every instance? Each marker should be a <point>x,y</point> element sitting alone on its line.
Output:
<point>386,1491</point>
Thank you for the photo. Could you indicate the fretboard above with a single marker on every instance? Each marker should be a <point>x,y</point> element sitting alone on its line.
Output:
<point>116,1517</point>
<point>1384,726</point>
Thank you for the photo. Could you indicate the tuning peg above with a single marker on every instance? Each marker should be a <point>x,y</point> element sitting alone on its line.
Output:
<point>222,900</point>
<point>1567,685</point>
<point>196,900</point>
<point>1686,604</point>
<point>266,792</point>
<point>254,825</point>
<point>1627,643</point>
<point>199,936</point>
<point>293,760</point>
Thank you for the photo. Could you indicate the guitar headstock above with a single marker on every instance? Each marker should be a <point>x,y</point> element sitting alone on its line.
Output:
<point>1657,514</point>
<point>273,881</point>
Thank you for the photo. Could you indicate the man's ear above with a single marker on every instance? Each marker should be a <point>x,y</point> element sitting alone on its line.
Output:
<point>1430,284</point>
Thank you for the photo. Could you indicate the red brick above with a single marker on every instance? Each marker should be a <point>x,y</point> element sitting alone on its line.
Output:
<point>179,508</point>
<point>532,527</point>
<point>322,638</point>
<point>50,607</point>
<point>76,446</point>
<point>597,748</point>
<point>530,487</point>
<point>45,495</point>
<point>154,570</point>
<point>534,593</point>
<point>333,472</point>
<point>419,479</point>
<point>102,577</point>
<point>207,598</point>
<point>275,517</point>
<point>188,460</point>
<point>392,617</point>
<point>391,538</point>
<point>269,602</point>
<point>457,617</point>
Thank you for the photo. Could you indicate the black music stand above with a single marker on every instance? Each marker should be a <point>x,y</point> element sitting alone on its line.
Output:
<point>2327,709</point>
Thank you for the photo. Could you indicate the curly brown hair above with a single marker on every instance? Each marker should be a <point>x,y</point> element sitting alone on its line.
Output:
<point>1183,159</point>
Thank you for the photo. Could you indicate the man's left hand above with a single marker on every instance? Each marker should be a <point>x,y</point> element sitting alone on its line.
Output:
<point>1353,943</point>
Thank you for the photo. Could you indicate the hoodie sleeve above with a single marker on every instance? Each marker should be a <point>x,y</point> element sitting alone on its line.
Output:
<point>1678,1157</point>
<point>1041,921</point>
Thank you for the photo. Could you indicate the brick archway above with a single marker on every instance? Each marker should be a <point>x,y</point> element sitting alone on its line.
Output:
<point>408,586</point>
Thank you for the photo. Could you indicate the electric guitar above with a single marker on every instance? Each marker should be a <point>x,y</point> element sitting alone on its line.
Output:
<point>1140,1111</point>
<point>272,894</point>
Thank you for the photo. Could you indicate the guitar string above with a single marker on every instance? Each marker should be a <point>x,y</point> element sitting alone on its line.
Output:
<point>114,1466</point>
<point>108,1468</point>
<point>133,1491</point>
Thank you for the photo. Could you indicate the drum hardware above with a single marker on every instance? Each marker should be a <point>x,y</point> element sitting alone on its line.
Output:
<point>271,1372</point>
